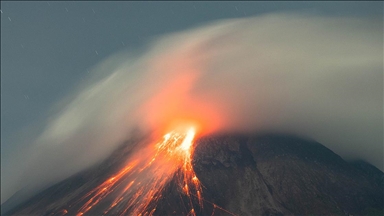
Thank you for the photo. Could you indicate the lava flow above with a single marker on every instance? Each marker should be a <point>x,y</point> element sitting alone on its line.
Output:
<point>138,186</point>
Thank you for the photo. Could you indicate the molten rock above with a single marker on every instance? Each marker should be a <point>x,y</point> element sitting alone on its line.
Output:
<point>239,175</point>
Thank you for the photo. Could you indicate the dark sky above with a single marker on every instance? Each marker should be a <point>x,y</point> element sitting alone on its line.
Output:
<point>47,47</point>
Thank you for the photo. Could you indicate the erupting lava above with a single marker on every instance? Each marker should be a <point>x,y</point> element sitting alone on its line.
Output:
<point>138,186</point>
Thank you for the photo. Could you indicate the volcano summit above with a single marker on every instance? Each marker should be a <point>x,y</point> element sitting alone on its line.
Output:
<point>236,175</point>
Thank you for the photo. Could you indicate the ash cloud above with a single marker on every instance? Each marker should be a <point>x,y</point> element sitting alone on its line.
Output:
<point>314,76</point>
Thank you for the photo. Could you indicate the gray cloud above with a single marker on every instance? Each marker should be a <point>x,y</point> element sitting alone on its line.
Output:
<point>320,77</point>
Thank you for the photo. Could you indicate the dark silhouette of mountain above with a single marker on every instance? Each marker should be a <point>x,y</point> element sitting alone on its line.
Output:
<point>243,175</point>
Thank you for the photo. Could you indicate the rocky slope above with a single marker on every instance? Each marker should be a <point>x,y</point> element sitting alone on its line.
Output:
<point>285,175</point>
<point>245,175</point>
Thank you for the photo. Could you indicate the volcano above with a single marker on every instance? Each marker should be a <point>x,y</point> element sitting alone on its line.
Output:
<point>270,174</point>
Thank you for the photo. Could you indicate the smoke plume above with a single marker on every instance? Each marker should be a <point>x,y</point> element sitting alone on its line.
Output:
<point>314,76</point>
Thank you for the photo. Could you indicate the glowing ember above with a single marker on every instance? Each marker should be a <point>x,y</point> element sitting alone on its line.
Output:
<point>144,177</point>
<point>138,186</point>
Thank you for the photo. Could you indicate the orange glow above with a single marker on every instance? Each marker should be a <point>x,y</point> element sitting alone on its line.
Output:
<point>146,175</point>
<point>187,142</point>
<point>138,186</point>
<point>177,102</point>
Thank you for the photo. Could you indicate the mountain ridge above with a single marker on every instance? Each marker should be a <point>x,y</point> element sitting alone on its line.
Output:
<point>268,174</point>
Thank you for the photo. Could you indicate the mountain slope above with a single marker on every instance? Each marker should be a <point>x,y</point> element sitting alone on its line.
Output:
<point>281,174</point>
<point>243,175</point>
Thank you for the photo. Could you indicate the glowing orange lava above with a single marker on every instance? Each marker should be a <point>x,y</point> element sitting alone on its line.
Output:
<point>138,186</point>
<point>144,177</point>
